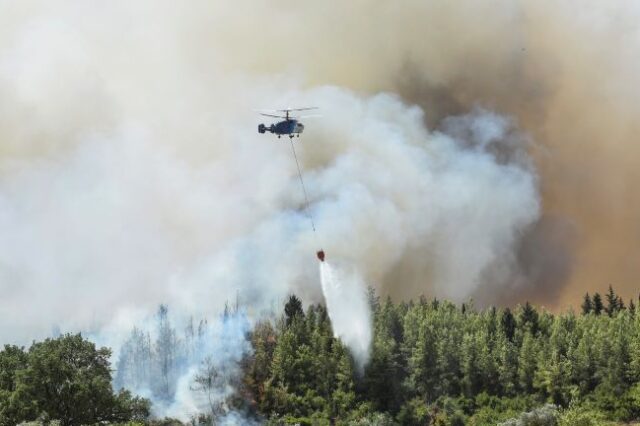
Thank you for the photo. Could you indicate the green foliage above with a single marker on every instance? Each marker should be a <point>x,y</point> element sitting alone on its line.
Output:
<point>508,324</point>
<point>433,362</point>
<point>587,305</point>
<point>613,302</point>
<point>583,416</point>
<point>597,304</point>
<point>12,360</point>
<point>293,309</point>
<point>414,412</point>
<point>67,379</point>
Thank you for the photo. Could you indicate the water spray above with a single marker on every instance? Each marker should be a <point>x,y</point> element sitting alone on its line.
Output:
<point>345,297</point>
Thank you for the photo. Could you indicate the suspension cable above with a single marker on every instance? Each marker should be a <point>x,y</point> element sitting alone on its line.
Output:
<point>304,189</point>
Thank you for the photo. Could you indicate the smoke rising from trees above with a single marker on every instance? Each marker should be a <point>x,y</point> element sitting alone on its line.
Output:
<point>467,150</point>
<point>132,175</point>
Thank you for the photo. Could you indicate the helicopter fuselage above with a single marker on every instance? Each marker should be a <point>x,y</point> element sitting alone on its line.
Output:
<point>287,127</point>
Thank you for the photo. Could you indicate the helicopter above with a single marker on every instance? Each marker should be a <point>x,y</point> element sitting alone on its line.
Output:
<point>290,126</point>
<point>293,127</point>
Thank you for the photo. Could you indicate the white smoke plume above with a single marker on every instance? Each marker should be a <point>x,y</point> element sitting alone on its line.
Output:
<point>217,359</point>
<point>348,307</point>
<point>131,172</point>
<point>186,368</point>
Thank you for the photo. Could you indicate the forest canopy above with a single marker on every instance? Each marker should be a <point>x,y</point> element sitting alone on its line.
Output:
<point>432,363</point>
<point>66,379</point>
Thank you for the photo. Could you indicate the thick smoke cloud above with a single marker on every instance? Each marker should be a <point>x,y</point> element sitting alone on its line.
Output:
<point>566,71</point>
<point>131,172</point>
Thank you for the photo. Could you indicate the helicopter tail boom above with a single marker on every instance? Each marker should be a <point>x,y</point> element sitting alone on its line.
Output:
<point>262,128</point>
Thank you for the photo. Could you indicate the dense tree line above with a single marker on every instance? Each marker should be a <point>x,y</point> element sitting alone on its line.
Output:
<point>65,379</point>
<point>433,362</point>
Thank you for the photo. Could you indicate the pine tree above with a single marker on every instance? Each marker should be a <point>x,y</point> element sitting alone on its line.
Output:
<point>208,381</point>
<point>421,353</point>
<point>612,302</point>
<point>508,324</point>
<point>597,304</point>
<point>507,365</point>
<point>527,363</point>
<point>449,363</point>
<point>202,328</point>
<point>166,353</point>
<point>554,379</point>
<point>471,368</point>
<point>632,307</point>
<point>489,362</point>
<point>587,305</point>
<point>189,338</point>
<point>529,318</point>
<point>133,368</point>
<point>384,374</point>
<point>373,299</point>
<point>258,369</point>
<point>293,309</point>
<point>342,394</point>
<point>615,351</point>
<point>584,363</point>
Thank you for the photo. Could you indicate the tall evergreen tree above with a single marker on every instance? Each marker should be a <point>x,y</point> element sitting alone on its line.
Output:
<point>421,351</point>
<point>587,305</point>
<point>597,304</point>
<point>621,306</point>
<point>471,369</point>
<point>385,374</point>
<point>133,368</point>
<point>612,302</point>
<point>508,323</point>
<point>293,309</point>
<point>527,363</point>
<point>166,354</point>
<point>507,366</point>
<point>424,357</point>
<point>529,318</point>
<point>263,339</point>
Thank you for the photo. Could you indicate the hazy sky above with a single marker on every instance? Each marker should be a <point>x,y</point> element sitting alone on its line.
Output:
<point>466,149</point>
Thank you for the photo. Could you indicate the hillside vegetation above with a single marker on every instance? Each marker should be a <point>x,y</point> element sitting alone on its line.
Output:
<point>437,363</point>
<point>431,363</point>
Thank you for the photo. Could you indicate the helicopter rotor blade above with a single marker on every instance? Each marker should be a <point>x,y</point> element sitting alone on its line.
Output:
<point>272,115</point>
<point>296,109</point>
